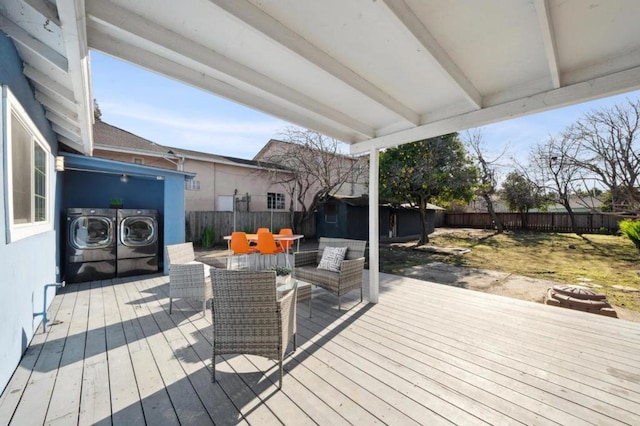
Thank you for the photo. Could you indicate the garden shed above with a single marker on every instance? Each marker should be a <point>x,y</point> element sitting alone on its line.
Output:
<point>348,217</point>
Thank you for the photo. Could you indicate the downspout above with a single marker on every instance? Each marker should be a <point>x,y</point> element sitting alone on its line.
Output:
<point>374,232</point>
<point>179,164</point>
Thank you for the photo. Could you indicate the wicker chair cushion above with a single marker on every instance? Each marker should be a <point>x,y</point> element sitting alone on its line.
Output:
<point>332,258</point>
<point>327,279</point>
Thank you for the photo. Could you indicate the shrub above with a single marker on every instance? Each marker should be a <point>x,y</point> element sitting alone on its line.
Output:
<point>631,228</point>
<point>208,237</point>
<point>281,271</point>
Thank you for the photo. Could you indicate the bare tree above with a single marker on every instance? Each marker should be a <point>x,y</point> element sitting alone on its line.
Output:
<point>316,169</point>
<point>556,171</point>
<point>610,150</point>
<point>488,173</point>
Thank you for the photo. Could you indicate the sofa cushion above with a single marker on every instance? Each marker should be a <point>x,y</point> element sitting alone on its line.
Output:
<point>332,258</point>
<point>327,279</point>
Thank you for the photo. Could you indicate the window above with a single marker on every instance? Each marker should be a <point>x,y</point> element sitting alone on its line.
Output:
<point>275,201</point>
<point>27,172</point>
<point>137,160</point>
<point>192,185</point>
<point>331,212</point>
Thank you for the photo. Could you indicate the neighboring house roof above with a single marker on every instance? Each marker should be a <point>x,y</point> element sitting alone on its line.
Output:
<point>480,206</point>
<point>111,138</point>
<point>95,164</point>
<point>107,136</point>
<point>364,201</point>
<point>276,143</point>
<point>587,203</point>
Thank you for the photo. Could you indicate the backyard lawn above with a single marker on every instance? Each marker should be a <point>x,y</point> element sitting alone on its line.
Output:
<point>604,260</point>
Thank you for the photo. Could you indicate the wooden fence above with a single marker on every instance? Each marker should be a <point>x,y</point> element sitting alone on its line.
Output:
<point>589,223</point>
<point>223,223</point>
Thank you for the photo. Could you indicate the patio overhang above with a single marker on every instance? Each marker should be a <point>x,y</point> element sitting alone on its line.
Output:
<point>373,74</point>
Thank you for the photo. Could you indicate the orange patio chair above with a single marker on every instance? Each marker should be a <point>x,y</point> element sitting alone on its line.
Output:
<point>267,245</point>
<point>259,231</point>
<point>286,245</point>
<point>240,246</point>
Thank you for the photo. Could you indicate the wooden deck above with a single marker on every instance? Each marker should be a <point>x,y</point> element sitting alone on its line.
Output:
<point>427,353</point>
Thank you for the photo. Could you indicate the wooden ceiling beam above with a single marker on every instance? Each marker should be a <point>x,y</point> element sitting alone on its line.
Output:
<point>260,21</point>
<point>179,47</point>
<point>409,19</point>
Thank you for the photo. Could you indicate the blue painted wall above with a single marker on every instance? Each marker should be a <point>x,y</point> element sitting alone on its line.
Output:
<point>28,264</point>
<point>174,212</point>
<point>87,189</point>
<point>99,182</point>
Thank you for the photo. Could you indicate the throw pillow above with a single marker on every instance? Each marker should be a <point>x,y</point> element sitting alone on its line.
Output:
<point>332,258</point>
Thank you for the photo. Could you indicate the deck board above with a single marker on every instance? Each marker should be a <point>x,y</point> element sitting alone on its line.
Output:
<point>426,354</point>
<point>155,401</point>
<point>38,389</point>
<point>95,397</point>
<point>63,407</point>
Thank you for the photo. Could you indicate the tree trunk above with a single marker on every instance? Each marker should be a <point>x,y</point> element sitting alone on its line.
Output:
<point>492,213</point>
<point>572,218</point>
<point>424,232</point>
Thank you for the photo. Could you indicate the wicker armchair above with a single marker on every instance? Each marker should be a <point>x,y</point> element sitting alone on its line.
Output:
<point>338,283</point>
<point>188,278</point>
<point>248,318</point>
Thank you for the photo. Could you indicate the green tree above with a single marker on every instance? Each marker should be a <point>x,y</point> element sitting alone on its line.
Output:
<point>97,114</point>
<point>521,195</point>
<point>432,170</point>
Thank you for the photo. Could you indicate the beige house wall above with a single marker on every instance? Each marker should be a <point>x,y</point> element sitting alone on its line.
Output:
<point>217,180</point>
<point>213,180</point>
<point>356,186</point>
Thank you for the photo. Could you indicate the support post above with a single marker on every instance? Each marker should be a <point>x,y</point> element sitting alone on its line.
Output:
<point>374,232</point>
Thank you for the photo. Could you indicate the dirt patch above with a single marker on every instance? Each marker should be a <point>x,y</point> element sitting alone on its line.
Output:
<point>412,263</point>
<point>488,281</point>
<point>494,282</point>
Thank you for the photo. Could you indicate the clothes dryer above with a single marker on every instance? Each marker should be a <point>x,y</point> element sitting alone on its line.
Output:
<point>137,252</point>
<point>90,245</point>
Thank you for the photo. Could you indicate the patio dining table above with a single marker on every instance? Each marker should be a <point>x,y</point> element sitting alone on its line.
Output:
<point>277,237</point>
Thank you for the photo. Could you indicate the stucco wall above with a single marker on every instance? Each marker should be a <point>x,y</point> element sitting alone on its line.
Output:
<point>26,265</point>
<point>223,179</point>
<point>356,185</point>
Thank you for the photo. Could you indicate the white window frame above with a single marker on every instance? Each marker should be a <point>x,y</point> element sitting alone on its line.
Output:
<point>15,232</point>
<point>276,197</point>
<point>192,185</point>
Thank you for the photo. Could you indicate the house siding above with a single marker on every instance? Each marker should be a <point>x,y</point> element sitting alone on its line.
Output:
<point>352,221</point>
<point>215,179</point>
<point>357,186</point>
<point>28,264</point>
<point>147,160</point>
<point>218,179</point>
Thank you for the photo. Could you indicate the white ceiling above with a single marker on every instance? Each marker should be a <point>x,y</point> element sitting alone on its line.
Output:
<point>373,73</point>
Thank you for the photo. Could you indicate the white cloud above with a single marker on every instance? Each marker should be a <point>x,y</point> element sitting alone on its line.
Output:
<point>234,136</point>
<point>147,113</point>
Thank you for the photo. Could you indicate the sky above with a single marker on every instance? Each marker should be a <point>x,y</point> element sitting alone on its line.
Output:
<point>171,113</point>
